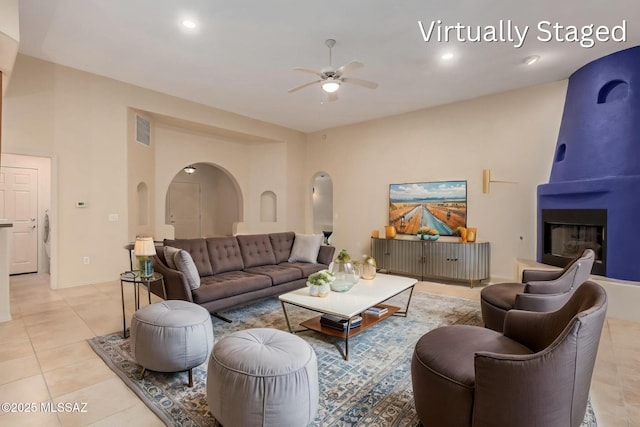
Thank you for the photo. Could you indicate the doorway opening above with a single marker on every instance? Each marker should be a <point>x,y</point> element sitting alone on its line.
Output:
<point>204,203</point>
<point>25,200</point>
<point>322,194</point>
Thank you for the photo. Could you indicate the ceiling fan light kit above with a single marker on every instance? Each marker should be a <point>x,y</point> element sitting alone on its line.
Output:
<point>331,86</point>
<point>331,78</point>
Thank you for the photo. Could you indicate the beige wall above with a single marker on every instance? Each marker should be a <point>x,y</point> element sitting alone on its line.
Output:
<point>9,39</point>
<point>513,134</point>
<point>83,120</point>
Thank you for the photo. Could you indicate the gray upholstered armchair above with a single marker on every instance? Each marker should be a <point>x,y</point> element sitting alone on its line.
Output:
<point>540,291</point>
<point>537,373</point>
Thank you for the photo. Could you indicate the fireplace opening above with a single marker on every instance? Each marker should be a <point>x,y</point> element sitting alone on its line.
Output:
<point>566,233</point>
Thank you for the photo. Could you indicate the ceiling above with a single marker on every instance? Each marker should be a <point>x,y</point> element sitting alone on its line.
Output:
<point>240,56</point>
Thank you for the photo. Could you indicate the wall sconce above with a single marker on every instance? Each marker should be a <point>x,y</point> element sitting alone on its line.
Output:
<point>486,180</point>
<point>189,169</point>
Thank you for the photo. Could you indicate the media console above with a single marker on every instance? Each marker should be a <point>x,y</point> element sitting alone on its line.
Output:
<point>468,262</point>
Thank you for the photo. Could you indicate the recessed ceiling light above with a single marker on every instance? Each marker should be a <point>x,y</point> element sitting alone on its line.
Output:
<point>530,60</point>
<point>187,23</point>
<point>447,56</point>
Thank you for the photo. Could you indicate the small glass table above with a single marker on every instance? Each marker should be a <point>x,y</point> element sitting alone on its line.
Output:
<point>136,279</point>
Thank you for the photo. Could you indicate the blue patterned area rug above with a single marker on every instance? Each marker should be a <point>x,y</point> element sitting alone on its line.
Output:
<point>373,388</point>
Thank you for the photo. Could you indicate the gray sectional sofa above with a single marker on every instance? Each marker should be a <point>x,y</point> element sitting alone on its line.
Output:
<point>238,269</point>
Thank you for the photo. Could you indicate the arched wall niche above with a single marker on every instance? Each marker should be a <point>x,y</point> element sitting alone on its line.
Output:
<point>142,193</point>
<point>206,203</point>
<point>268,207</point>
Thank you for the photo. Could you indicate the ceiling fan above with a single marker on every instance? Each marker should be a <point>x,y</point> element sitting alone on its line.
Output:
<point>331,78</point>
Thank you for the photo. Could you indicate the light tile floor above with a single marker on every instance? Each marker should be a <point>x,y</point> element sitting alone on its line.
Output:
<point>44,357</point>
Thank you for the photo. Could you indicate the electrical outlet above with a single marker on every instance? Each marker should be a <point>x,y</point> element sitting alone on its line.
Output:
<point>86,260</point>
<point>113,217</point>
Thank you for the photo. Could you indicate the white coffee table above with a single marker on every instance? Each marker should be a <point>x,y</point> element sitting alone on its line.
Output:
<point>346,305</point>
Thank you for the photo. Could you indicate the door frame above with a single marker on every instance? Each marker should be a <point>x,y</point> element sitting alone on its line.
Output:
<point>53,206</point>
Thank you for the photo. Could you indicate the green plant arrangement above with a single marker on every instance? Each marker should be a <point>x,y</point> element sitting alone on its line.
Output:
<point>319,283</point>
<point>321,278</point>
<point>343,256</point>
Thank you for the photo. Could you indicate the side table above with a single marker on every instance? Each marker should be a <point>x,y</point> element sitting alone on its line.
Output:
<point>136,279</point>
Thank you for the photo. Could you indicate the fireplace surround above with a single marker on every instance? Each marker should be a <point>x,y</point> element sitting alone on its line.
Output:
<point>596,168</point>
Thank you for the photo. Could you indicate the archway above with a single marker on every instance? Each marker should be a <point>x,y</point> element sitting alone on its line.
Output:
<point>322,191</point>
<point>206,202</point>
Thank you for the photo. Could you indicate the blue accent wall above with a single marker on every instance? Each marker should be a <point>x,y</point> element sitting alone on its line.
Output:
<point>596,162</point>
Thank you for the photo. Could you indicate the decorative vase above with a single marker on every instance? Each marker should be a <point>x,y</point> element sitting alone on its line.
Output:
<point>389,231</point>
<point>367,268</point>
<point>319,290</point>
<point>346,276</point>
<point>471,234</point>
<point>463,234</point>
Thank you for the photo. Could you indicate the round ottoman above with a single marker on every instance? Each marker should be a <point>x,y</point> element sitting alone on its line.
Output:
<point>263,377</point>
<point>171,336</point>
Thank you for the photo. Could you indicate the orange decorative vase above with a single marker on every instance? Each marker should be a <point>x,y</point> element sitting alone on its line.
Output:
<point>471,234</point>
<point>463,234</point>
<point>389,231</point>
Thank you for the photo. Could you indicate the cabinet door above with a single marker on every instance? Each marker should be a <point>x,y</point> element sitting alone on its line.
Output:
<point>406,256</point>
<point>472,261</point>
<point>398,256</point>
<point>456,261</point>
<point>379,253</point>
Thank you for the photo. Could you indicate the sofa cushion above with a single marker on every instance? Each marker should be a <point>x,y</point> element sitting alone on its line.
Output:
<point>282,244</point>
<point>225,254</point>
<point>198,251</point>
<point>306,268</point>
<point>184,263</point>
<point>305,248</point>
<point>169,255</point>
<point>256,250</point>
<point>229,284</point>
<point>278,273</point>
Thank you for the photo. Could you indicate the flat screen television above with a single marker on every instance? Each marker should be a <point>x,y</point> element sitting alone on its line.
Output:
<point>440,205</point>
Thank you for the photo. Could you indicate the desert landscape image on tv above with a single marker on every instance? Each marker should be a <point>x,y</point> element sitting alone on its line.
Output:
<point>438,205</point>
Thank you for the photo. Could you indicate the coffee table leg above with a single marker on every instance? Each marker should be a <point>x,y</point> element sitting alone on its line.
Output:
<point>406,309</point>
<point>346,340</point>
<point>286,316</point>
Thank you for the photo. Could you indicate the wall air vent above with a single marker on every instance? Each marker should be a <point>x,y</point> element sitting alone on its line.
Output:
<point>143,131</point>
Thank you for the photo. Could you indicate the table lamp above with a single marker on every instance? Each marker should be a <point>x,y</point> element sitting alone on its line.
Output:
<point>145,249</point>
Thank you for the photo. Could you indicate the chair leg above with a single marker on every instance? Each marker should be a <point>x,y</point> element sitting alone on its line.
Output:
<point>144,370</point>
<point>191,377</point>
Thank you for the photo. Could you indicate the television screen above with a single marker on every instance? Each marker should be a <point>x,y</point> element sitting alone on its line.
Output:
<point>438,205</point>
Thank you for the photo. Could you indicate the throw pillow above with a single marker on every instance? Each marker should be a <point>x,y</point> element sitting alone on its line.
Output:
<point>185,264</point>
<point>169,255</point>
<point>306,248</point>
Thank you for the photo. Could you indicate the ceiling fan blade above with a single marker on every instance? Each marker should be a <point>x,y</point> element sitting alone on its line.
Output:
<point>306,70</point>
<point>303,86</point>
<point>351,66</point>
<point>360,82</point>
<point>333,96</point>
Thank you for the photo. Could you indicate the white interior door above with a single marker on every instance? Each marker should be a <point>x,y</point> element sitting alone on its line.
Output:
<point>184,209</point>
<point>19,204</point>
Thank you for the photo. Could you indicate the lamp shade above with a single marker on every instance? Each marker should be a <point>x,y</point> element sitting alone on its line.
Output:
<point>144,246</point>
